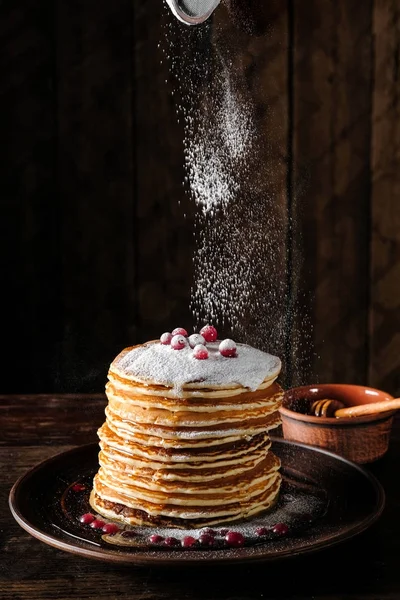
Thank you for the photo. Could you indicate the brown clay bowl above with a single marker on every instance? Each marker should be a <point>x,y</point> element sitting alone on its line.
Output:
<point>359,439</point>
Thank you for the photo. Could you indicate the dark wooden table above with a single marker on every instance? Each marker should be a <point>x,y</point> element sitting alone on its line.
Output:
<point>36,427</point>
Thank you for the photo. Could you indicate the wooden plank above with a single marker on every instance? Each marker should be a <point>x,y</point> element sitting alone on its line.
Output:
<point>331,187</point>
<point>30,279</point>
<point>78,418</point>
<point>95,178</point>
<point>164,231</point>
<point>385,209</point>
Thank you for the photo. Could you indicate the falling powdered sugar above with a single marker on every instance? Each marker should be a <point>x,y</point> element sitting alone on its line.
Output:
<point>214,155</point>
<point>234,157</point>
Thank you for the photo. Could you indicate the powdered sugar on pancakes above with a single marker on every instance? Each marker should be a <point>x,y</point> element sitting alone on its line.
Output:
<point>156,364</point>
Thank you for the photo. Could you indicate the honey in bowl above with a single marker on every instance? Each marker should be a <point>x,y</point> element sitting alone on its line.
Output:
<point>361,439</point>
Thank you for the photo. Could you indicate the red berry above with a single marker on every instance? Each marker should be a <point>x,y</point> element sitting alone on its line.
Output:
<point>210,531</point>
<point>234,538</point>
<point>78,487</point>
<point>205,539</point>
<point>280,529</point>
<point>209,333</point>
<point>178,342</point>
<point>97,524</point>
<point>262,531</point>
<point>180,331</point>
<point>188,541</point>
<point>195,339</point>
<point>171,541</point>
<point>166,338</point>
<point>87,518</point>
<point>155,539</point>
<point>200,352</point>
<point>223,532</point>
<point>110,528</point>
<point>227,348</point>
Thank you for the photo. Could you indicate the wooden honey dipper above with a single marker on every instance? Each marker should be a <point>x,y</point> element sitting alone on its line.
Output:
<point>335,408</point>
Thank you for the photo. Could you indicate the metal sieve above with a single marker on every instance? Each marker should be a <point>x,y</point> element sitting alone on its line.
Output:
<point>193,12</point>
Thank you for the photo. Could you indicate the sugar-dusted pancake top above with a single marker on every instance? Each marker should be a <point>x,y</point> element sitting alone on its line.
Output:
<point>157,364</point>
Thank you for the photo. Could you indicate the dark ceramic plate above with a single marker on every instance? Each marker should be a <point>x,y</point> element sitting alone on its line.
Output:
<point>325,499</point>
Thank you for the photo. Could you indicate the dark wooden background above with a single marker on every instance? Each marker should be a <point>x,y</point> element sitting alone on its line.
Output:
<point>96,248</point>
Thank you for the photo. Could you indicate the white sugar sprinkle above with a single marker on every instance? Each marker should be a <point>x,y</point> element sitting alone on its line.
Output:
<point>233,162</point>
<point>155,363</point>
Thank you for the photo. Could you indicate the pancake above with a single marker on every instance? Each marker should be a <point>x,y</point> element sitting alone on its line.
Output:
<point>143,516</point>
<point>165,371</point>
<point>185,441</point>
<point>167,464</point>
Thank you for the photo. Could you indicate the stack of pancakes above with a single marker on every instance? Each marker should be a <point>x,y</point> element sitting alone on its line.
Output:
<point>185,442</point>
